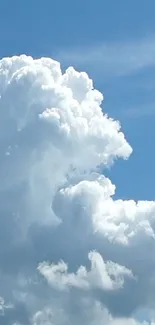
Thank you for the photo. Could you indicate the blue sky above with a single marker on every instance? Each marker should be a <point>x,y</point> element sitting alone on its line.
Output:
<point>114,41</point>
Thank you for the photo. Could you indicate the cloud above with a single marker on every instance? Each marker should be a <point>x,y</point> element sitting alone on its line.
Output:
<point>112,59</point>
<point>100,275</point>
<point>97,314</point>
<point>69,252</point>
<point>4,306</point>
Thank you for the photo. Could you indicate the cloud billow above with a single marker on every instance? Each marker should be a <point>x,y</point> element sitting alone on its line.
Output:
<point>69,252</point>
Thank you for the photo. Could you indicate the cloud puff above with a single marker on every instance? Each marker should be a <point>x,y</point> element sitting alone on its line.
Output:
<point>120,221</point>
<point>57,209</point>
<point>100,275</point>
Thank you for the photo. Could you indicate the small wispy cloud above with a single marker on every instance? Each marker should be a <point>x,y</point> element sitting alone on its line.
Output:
<point>112,59</point>
<point>147,110</point>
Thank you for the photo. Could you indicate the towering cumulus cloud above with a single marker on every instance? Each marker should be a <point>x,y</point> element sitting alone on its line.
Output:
<point>69,252</point>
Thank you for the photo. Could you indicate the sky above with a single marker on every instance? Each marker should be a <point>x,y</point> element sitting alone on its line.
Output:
<point>114,43</point>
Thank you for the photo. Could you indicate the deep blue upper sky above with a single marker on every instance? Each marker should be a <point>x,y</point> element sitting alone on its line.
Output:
<point>38,26</point>
<point>125,71</point>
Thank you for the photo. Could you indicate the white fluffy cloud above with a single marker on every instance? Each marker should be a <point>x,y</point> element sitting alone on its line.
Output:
<point>119,221</point>
<point>100,275</point>
<point>57,211</point>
